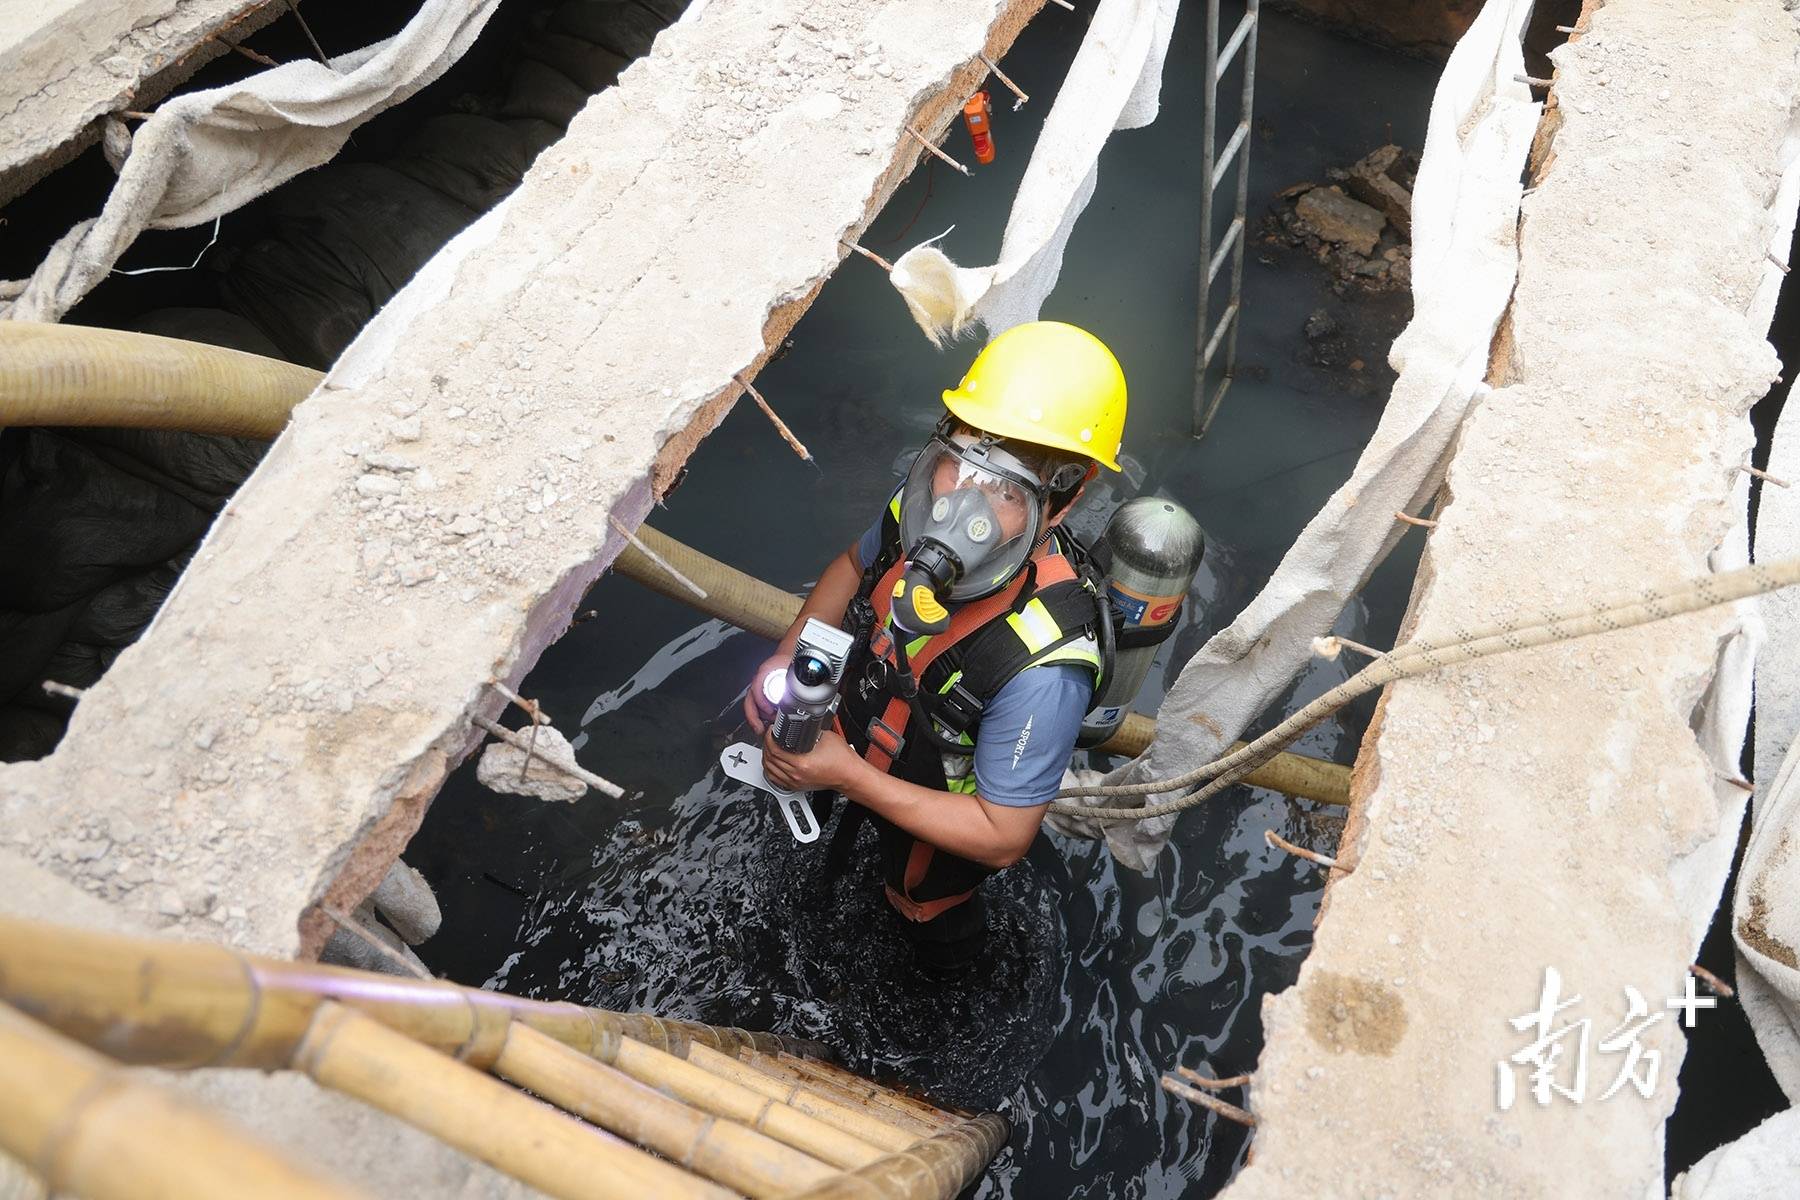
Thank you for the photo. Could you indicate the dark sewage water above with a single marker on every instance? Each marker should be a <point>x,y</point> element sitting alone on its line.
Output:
<point>691,899</point>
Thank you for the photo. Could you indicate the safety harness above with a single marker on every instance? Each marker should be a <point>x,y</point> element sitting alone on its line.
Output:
<point>913,709</point>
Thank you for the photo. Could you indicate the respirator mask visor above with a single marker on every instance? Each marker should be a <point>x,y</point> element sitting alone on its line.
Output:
<point>972,512</point>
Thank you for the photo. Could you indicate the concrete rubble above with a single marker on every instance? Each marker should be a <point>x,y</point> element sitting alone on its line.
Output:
<point>65,65</point>
<point>1359,226</point>
<point>1559,810</point>
<point>1338,218</point>
<point>429,519</point>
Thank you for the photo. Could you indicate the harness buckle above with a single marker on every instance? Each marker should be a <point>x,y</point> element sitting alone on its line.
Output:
<point>959,708</point>
<point>885,738</point>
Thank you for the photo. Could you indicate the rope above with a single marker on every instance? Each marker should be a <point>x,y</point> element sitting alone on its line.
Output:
<point>1518,631</point>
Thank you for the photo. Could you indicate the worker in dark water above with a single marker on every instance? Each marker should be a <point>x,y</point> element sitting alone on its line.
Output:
<point>976,651</point>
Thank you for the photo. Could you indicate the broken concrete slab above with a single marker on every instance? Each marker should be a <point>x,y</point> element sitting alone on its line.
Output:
<point>1553,810</point>
<point>284,722</point>
<point>1337,218</point>
<point>504,768</point>
<point>1373,179</point>
<point>66,64</point>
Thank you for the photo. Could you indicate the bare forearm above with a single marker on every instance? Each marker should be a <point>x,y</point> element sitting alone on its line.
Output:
<point>963,824</point>
<point>828,600</point>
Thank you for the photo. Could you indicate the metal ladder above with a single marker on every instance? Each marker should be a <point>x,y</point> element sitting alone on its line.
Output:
<point>1214,167</point>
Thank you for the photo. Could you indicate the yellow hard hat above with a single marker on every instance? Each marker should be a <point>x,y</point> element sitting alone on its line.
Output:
<point>1047,383</point>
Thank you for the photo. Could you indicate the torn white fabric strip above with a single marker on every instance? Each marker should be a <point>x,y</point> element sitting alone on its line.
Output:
<point>208,153</point>
<point>1465,261</point>
<point>1766,908</point>
<point>1114,83</point>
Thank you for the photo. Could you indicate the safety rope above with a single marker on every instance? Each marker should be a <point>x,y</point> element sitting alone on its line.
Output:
<point>1516,632</point>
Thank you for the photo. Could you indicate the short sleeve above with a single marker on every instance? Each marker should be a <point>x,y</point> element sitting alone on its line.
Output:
<point>868,546</point>
<point>1028,732</point>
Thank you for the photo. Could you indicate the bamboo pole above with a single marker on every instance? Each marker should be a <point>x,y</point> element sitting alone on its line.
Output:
<point>936,1117</point>
<point>179,1004</point>
<point>740,1158</point>
<point>867,1098</point>
<point>90,1129</point>
<point>852,1120</point>
<point>359,1056</point>
<point>938,1168</point>
<point>767,611</point>
<point>722,1097</point>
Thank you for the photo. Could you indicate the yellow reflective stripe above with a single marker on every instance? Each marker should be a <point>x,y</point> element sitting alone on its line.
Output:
<point>893,506</point>
<point>950,683</point>
<point>1034,625</point>
<point>1074,652</point>
<point>963,786</point>
<point>917,644</point>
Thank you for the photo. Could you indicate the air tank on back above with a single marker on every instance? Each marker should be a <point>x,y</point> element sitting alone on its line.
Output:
<point>1154,547</point>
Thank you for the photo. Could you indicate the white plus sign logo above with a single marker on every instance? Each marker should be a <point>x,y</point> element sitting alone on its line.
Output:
<point>1690,1002</point>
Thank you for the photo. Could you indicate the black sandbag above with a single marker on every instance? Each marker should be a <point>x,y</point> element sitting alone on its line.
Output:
<point>32,640</point>
<point>667,11</point>
<point>539,135</point>
<point>476,161</point>
<point>214,326</point>
<point>343,239</point>
<point>620,25</point>
<point>81,523</point>
<point>117,614</point>
<point>205,469</point>
<point>595,68</point>
<point>541,91</point>
<point>28,732</point>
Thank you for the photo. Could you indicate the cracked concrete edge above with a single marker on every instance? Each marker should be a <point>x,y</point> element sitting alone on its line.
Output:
<point>1441,1129</point>
<point>65,67</point>
<point>937,104</point>
<point>313,801</point>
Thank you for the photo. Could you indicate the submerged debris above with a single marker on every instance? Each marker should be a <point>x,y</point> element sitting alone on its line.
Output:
<point>500,768</point>
<point>1359,225</point>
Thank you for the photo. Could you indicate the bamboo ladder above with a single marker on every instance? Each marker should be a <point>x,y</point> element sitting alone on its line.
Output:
<point>648,1107</point>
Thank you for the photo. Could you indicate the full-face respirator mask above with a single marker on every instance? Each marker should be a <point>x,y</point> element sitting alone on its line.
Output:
<point>971,513</point>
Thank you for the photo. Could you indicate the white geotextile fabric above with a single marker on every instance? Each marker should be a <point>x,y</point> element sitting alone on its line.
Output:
<point>204,154</point>
<point>1465,260</point>
<point>1114,83</point>
<point>1766,909</point>
<point>1761,1165</point>
<point>1768,889</point>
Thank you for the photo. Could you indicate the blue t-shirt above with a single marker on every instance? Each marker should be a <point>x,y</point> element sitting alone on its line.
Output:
<point>1029,728</point>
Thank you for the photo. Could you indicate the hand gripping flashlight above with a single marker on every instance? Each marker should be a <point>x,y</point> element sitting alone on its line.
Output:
<point>805,699</point>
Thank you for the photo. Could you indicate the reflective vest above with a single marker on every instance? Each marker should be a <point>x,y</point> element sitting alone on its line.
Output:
<point>1046,614</point>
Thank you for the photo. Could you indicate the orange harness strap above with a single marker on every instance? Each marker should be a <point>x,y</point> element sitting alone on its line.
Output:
<point>886,737</point>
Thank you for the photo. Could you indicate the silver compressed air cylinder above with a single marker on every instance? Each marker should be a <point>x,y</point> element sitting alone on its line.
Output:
<point>1155,546</point>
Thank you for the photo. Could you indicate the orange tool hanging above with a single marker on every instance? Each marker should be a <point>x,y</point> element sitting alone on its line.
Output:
<point>978,116</point>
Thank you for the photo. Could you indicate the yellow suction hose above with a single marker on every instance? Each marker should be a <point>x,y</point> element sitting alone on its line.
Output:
<point>76,375</point>
<point>767,611</point>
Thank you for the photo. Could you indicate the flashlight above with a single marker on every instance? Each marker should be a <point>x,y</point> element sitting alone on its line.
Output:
<point>805,695</point>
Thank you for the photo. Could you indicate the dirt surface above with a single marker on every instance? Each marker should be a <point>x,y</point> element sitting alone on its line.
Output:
<point>64,64</point>
<point>1535,812</point>
<point>427,523</point>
